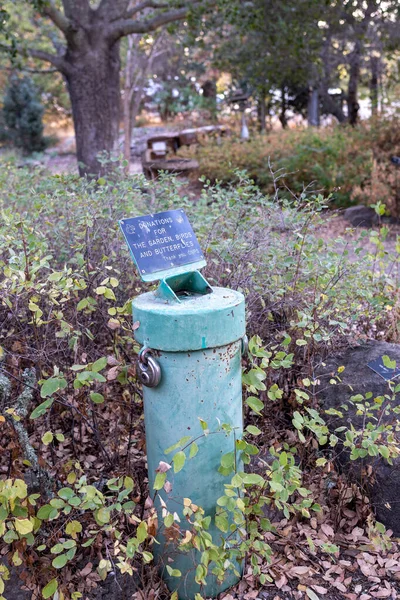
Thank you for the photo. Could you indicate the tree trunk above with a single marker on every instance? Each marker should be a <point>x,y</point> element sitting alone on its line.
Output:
<point>93,83</point>
<point>262,112</point>
<point>282,116</point>
<point>127,105</point>
<point>209,88</point>
<point>354,76</point>
<point>374,62</point>
<point>313,108</point>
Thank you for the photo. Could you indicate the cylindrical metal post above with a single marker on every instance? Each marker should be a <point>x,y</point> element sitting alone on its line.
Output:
<point>197,343</point>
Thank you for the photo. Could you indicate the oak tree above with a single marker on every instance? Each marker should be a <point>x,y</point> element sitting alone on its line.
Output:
<point>85,40</point>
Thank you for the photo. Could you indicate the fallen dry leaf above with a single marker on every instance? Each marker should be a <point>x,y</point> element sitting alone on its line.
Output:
<point>86,570</point>
<point>112,361</point>
<point>298,571</point>
<point>328,531</point>
<point>112,373</point>
<point>382,593</point>
<point>163,467</point>
<point>319,589</point>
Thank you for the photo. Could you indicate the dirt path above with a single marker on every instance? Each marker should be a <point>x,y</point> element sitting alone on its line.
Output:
<point>62,157</point>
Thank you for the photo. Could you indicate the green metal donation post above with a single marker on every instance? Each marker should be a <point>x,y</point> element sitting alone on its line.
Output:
<point>190,366</point>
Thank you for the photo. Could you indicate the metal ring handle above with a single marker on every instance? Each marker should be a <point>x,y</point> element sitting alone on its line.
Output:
<point>245,345</point>
<point>149,369</point>
<point>143,355</point>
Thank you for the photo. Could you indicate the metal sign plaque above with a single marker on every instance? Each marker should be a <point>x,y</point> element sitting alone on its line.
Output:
<point>386,373</point>
<point>162,244</point>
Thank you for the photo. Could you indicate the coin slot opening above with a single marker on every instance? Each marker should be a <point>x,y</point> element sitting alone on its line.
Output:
<point>184,286</point>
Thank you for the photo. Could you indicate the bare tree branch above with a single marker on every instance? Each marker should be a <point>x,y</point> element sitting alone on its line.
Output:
<point>124,27</point>
<point>57,61</point>
<point>29,70</point>
<point>58,18</point>
<point>20,406</point>
<point>142,6</point>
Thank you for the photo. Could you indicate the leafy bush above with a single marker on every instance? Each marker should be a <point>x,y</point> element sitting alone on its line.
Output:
<point>73,479</point>
<point>23,114</point>
<point>352,164</point>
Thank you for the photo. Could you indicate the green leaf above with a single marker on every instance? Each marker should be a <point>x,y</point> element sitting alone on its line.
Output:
<point>96,398</point>
<point>283,459</point>
<point>228,460</point>
<point>109,294</point>
<point>172,448</point>
<point>147,556</point>
<point>178,444</point>
<point>173,572</point>
<point>47,438</point>
<point>255,404</point>
<point>66,493</point>
<point>141,532</point>
<point>384,451</point>
<point>50,589</point>
<point>179,461</point>
<point>60,561</point>
<point>193,450</point>
<point>41,409</point>
<point>389,364</point>
<point>221,521</point>
<point>88,543</point>
<point>100,364</point>
<point>168,520</point>
<point>204,425</point>
<point>73,527</point>
<point>159,481</point>
<point>44,512</point>
<point>82,304</point>
<point>103,515</point>
<point>52,385</point>
<point>253,430</point>
<point>23,526</point>
<point>253,479</point>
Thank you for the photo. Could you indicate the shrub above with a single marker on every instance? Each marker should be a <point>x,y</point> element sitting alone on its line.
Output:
<point>352,164</point>
<point>73,479</point>
<point>23,114</point>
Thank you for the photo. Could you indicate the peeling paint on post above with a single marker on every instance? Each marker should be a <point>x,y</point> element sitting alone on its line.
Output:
<point>196,338</point>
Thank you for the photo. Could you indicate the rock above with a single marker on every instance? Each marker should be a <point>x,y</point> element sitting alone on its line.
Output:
<point>358,378</point>
<point>14,585</point>
<point>117,588</point>
<point>361,216</point>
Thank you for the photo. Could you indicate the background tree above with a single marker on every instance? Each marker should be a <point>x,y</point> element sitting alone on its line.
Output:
<point>23,114</point>
<point>87,38</point>
<point>140,55</point>
<point>279,43</point>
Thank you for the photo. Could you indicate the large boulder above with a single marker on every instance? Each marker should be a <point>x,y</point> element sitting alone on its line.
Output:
<point>384,486</point>
<point>361,216</point>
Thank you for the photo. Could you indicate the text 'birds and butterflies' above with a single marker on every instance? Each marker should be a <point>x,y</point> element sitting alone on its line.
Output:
<point>162,244</point>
